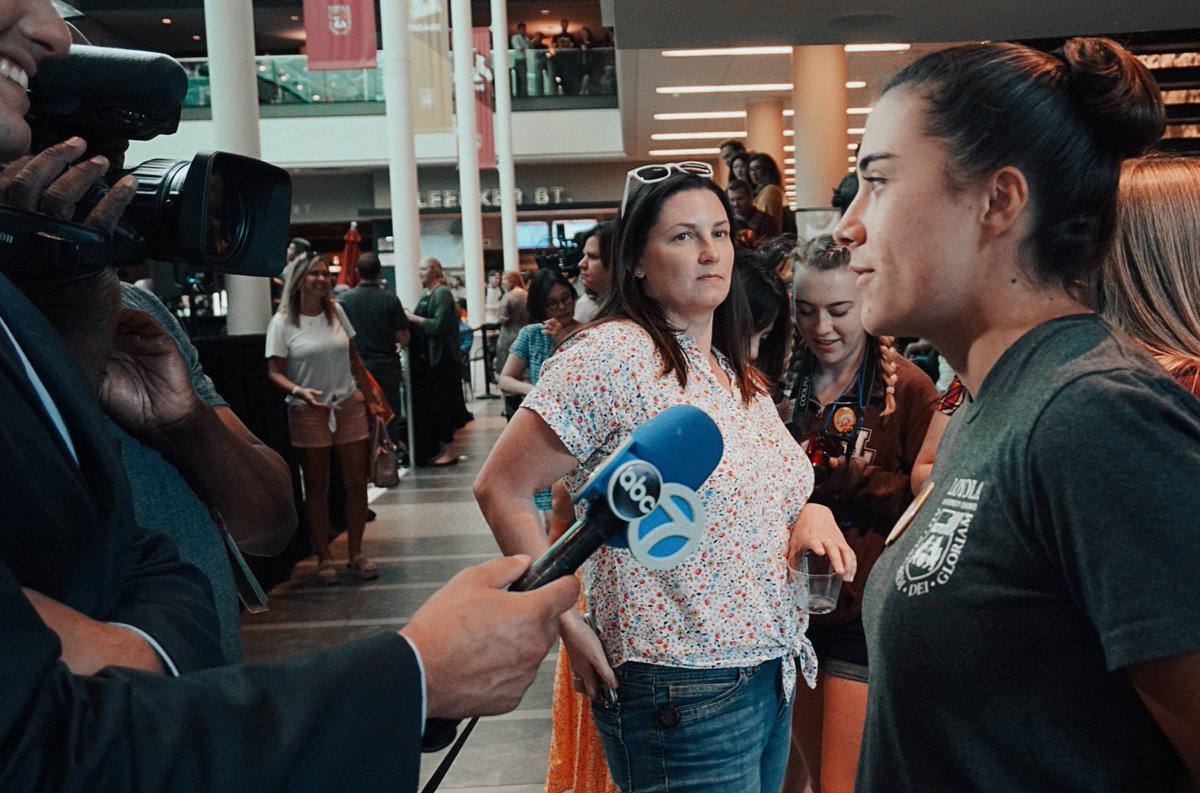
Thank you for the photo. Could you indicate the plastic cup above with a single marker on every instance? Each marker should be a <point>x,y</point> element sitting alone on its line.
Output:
<point>815,584</point>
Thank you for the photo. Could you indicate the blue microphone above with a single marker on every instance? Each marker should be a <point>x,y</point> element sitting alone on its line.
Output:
<point>642,497</point>
<point>646,489</point>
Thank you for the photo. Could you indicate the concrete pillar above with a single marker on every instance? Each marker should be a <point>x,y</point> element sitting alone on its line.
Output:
<point>235,129</point>
<point>396,66</point>
<point>502,128</point>
<point>764,128</point>
<point>819,99</point>
<point>468,157</point>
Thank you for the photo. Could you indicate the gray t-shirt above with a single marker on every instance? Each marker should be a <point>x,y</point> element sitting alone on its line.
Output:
<point>376,315</point>
<point>1059,546</point>
<point>162,499</point>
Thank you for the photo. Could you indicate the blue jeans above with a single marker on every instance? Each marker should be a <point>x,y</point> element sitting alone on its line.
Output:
<point>696,730</point>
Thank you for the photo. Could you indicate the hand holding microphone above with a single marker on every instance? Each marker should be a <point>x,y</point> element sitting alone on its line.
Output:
<point>642,497</point>
<point>480,645</point>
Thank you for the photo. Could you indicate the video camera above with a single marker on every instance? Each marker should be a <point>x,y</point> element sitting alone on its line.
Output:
<point>566,260</point>
<point>220,212</point>
<point>821,448</point>
<point>566,256</point>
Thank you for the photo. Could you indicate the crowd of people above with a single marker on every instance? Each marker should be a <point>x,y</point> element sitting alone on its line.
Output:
<point>562,62</point>
<point>998,254</point>
<point>1015,612</point>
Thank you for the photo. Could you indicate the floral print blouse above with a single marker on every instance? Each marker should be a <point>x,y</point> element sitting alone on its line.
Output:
<point>729,604</point>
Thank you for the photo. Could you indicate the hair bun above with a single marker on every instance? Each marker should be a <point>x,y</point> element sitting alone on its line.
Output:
<point>1116,93</point>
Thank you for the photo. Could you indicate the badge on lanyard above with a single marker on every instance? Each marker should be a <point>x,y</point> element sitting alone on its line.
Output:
<point>844,420</point>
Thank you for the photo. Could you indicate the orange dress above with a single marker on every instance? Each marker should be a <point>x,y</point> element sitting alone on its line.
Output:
<point>577,759</point>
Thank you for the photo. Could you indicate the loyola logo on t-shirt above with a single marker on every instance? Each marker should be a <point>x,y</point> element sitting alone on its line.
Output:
<point>932,561</point>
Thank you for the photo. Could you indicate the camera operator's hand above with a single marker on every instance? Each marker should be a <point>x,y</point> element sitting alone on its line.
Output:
<point>52,182</point>
<point>83,310</point>
<point>145,385</point>
<point>816,530</point>
<point>481,646</point>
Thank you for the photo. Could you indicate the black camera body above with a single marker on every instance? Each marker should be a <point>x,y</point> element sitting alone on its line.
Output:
<point>565,260</point>
<point>821,449</point>
<point>220,212</point>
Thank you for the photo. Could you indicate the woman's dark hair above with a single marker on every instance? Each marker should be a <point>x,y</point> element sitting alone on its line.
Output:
<point>628,299</point>
<point>774,176</point>
<point>739,184</point>
<point>739,156</point>
<point>844,193</point>
<point>1064,119</point>
<point>543,281</point>
<point>604,234</point>
<point>770,308</point>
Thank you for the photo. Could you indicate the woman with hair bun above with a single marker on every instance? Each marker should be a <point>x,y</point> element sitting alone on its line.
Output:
<point>860,410</point>
<point>1032,623</point>
<point>1150,284</point>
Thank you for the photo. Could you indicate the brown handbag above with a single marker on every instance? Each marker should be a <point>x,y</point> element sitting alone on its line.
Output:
<point>383,457</point>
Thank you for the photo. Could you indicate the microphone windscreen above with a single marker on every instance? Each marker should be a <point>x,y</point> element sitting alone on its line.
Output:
<point>682,442</point>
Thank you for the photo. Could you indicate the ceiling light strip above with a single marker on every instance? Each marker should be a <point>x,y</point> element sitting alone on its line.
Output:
<point>713,135</point>
<point>726,51</point>
<point>705,116</point>
<point>682,152</point>
<point>722,89</point>
<point>878,47</point>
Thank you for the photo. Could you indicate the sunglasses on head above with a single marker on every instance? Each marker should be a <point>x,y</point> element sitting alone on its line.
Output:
<point>656,172</point>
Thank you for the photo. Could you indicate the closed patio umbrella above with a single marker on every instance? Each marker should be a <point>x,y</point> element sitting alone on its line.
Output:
<point>350,252</point>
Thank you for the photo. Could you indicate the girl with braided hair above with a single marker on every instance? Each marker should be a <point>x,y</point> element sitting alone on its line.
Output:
<point>860,410</point>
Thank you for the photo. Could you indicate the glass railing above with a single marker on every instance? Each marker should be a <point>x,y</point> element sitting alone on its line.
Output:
<point>538,80</point>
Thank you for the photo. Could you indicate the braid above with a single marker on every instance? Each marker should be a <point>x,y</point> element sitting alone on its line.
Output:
<point>887,366</point>
<point>795,362</point>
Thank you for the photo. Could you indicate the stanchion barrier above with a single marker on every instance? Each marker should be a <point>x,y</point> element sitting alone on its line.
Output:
<point>488,353</point>
<point>406,374</point>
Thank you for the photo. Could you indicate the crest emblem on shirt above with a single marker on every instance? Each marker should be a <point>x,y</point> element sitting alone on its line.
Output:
<point>933,560</point>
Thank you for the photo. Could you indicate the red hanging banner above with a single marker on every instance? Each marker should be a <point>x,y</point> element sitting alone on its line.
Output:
<point>481,39</point>
<point>340,34</point>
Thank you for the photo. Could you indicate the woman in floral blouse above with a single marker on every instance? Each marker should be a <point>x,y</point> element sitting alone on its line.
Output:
<point>701,655</point>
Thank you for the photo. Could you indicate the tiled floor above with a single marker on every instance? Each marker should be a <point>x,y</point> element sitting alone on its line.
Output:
<point>427,529</point>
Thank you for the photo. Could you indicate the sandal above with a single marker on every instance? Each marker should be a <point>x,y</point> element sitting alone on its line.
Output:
<point>326,572</point>
<point>362,567</point>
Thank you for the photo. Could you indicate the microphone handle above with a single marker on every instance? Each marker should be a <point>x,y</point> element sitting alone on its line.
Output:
<point>560,559</point>
<point>572,549</point>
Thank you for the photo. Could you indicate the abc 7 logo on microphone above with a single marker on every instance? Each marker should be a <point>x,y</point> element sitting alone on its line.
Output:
<point>666,519</point>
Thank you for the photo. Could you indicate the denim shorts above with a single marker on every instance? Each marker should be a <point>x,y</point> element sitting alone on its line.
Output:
<point>696,730</point>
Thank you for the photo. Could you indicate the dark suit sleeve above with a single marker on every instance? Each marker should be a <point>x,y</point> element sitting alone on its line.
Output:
<point>342,719</point>
<point>170,600</point>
